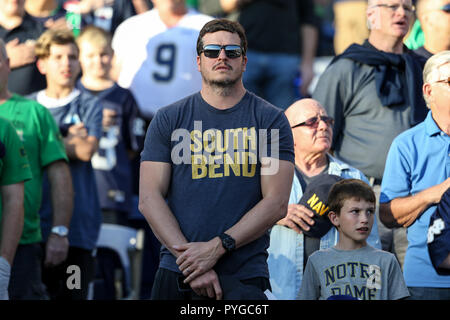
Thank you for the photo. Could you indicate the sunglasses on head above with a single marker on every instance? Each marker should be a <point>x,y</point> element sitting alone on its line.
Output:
<point>314,121</point>
<point>232,51</point>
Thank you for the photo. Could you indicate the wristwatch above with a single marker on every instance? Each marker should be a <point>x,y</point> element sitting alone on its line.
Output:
<point>61,231</point>
<point>228,243</point>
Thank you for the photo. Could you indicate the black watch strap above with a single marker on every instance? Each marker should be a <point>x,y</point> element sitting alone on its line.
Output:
<point>228,243</point>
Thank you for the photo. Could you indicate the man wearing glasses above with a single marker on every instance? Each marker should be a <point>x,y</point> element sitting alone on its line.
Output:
<point>373,93</point>
<point>434,17</point>
<point>289,245</point>
<point>416,177</point>
<point>203,155</point>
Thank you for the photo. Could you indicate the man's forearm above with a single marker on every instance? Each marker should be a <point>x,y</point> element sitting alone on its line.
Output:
<point>269,210</point>
<point>405,210</point>
<point>12,221</point>
<point>162,221</point>
<point>310,37</point>
<point>258,220</point>
<point>61,192</point>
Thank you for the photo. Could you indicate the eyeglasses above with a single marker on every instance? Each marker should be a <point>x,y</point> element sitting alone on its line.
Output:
<point>394,7</point>
<point>314,121</point>
<point>232,51</point>
<point>447,81</point>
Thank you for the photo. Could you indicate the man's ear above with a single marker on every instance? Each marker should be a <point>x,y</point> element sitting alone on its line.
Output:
<point>244,62</point>
<point>41,65</point>
<point>426,89</point>
<point>334,218</point>
<point>198,63</point>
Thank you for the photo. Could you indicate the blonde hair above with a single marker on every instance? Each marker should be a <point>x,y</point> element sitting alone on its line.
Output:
<point>50,37</point>
<point>96,36</point>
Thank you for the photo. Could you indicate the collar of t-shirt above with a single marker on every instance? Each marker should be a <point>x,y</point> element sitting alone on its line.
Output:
<point>48,102</point>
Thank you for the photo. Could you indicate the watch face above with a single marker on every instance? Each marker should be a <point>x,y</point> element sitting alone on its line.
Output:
<point>228,242</point>
<point>60,230</point>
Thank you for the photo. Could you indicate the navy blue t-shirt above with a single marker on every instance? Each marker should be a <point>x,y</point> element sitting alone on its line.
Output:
<point>86,217</point>
<point>111,163</point>
<point>223,182</point>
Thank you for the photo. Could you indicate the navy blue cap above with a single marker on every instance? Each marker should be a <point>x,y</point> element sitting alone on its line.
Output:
<point>315,199</point>
<point>439,234</point>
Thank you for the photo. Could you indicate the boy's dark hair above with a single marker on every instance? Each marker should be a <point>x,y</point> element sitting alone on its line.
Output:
<point>349,189</point>
<point>50,37</point>
<point>222,25</point>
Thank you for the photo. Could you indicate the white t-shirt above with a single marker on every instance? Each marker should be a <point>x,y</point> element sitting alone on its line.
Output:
<point>158,63</point>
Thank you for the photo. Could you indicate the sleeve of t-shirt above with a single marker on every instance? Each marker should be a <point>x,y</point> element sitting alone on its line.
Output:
<point>51,143</point>
<point>14,166</point>
<point>92,117</point>
<point>310,287</point>
<point>306,13</point>
<point>397,173</point>
<point>157,145</point>
<point>280,133</point>
<point>397,286</point>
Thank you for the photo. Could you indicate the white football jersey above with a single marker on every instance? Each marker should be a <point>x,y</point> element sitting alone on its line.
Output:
<point>159,63</point>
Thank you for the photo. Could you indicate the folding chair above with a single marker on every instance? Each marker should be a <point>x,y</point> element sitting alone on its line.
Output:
<point>127,243</point>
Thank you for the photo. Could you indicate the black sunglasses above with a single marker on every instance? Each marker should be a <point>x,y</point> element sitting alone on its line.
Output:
<point>232,51</point>
<point>314,121</point>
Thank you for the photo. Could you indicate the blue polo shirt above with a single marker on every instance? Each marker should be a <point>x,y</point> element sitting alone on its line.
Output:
<point>418,159</point>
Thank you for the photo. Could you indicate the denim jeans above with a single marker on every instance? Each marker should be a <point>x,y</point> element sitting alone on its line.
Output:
<point>421,293</point>
<point>271,76</point>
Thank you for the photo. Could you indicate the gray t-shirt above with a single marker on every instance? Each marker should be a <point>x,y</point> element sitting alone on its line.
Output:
<point>366,274</point>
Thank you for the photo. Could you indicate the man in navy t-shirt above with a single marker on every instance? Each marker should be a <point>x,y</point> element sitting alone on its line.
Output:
<point>223,160</point>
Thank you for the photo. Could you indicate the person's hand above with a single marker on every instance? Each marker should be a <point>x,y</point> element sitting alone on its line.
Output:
<point>109,117</point>
<point>442,188</point>
<point>5,274</point>
<point>20,54</point>
<point>198,257</point>
<point>307,72</point>
<point>56,250</point>
<point>207,285</point>
<point>77,130</point>
<point>298,216</point>
<point>60,23</point>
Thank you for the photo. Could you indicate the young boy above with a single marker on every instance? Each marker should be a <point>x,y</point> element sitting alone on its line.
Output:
<point>79,117</point>
<point>123,131</point>
<point>352,269</point>
<point>122,139</point>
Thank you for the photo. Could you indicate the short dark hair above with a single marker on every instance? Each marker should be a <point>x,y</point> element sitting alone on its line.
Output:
<point>349,189</point>
<point>222,25</point>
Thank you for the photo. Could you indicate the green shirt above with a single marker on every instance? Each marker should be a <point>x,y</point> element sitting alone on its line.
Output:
<point>14,166</point>
<point>43,144</point>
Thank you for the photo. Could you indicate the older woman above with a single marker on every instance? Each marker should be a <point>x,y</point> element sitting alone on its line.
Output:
<point>312,131</point>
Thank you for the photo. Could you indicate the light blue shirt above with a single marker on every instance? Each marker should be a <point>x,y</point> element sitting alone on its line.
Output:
<point>286,246</point>
<point>419,158</point>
